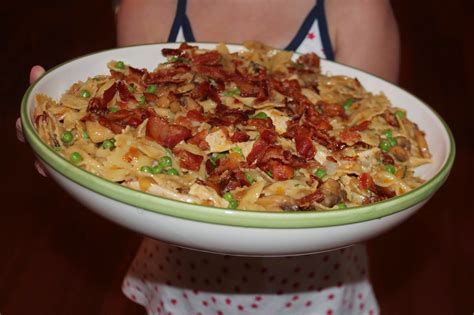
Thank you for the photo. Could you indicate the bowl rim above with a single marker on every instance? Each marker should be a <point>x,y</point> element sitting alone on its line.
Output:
<point>221,216</point>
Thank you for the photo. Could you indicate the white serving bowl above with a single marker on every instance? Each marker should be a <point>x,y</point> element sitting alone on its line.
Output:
<point>227,231</point>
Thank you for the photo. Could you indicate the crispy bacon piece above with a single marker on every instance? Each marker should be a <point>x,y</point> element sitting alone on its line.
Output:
<point>168,75</point>
<point>201,90</point>
<point>307,201</point>
<point>166,134</point>
<point>124,93</point>
<point>362,126</point>
<point>304,145</point>
<point>349,135</point>
<point>211,58</point>
<point>169,52</point>
<point>332,109</point>
<point>99,105</point>
<point>280,171</point>
<point>213,72</point>
<point>311,60</point>
<point>366,181</point>
<point>258,151</point>
<point>239,136</point>
<point>188,160</point>
<point>199,139</point>
<point>196,115</point>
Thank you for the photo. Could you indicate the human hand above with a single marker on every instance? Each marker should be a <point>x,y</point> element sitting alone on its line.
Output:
<point>35,73</point>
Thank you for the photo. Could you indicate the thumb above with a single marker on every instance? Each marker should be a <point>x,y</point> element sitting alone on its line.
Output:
<point>35,73</point>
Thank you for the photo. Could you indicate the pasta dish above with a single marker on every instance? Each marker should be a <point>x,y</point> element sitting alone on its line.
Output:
<point>259,129</point>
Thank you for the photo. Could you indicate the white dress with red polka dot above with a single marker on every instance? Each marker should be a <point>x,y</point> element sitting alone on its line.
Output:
<point>170,280</point>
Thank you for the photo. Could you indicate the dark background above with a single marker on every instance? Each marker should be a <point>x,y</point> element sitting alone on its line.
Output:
<point>57,257</point>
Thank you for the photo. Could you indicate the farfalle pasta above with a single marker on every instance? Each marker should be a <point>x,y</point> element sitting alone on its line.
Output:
<point>258,129</point>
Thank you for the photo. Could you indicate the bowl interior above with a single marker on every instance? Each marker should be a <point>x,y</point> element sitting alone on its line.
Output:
<point>58,79</point>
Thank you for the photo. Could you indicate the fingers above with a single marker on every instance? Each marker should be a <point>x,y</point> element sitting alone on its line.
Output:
<point>35,73</point>
<point>19,130</point>
<point>40,168</point>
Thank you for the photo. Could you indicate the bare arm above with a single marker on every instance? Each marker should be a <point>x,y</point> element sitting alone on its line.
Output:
<point>365,35</point>
<point>144,21</point>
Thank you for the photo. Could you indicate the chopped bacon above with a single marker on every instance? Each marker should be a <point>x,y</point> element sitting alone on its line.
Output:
<point>117,75</point>
<point>387,159</point>
<point>188,160</point>
<point>258,151</point>
<point>201,91</point>
<point>268,135</point>
<point>184,121</point>
<point>306,201</point>
<point>124,93</point>
<point>280,171</point>
<point>199,139</point>
<point>210,58</point>
<point>213,72</point>
<point>349,135</point>
<point>311,60</point>
<point>366,182</point>
<point>113,126</point>
<point>166,134</point>
<point>362,126</point>
<point>304,145</point>
<point>239,136</point>
<point>99,105</point>
<point>261,123</point>
<point>109,94</point>
<point>332,109</point>
<point>196,115</point>
<point>167,52</point>
<point>168,75</point>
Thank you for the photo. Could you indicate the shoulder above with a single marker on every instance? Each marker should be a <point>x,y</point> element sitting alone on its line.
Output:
<point>144,21</point>
<point>364,34</point>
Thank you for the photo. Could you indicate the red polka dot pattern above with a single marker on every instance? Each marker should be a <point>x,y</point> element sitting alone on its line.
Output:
<point>168,280</point>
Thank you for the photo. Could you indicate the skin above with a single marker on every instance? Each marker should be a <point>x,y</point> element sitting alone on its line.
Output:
<point>370,22</point>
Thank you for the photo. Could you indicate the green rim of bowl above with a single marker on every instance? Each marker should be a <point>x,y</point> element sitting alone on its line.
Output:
<point>254,219</point>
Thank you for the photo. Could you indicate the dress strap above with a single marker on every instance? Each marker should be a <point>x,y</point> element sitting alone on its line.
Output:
<point>181,20</point>
<point>318,14</point>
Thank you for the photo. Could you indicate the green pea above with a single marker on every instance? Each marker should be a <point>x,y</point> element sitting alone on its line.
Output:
<point>390,168</point>
<point>142,100</point>
<point>233,204</point>
<point>113,109</point>
<point>400,114</point>
<point>131,88</point>
<point>387,133</point>
<point>165,161</point>
<point>108,144</point>
<point>151,89</point>
<point>320,172</point>
<point>237,150</point>
<point>260,115</point>
<point>216,156</point>
<point>393,141</point>
<point>85,94</point>
<point>249,178</point>
<point>385,145</point>
<point>347,104</point>
<point>228,196</point>
<point>269,173</point>
<point>145,169</point>
<point>157,169</point>
<point>172,171</point>
<point>76,157</point>
<point>341,205</point>
<point>67,137</point>
<point>85,135</point>
<point>120,65</point>
<point>232,92</point>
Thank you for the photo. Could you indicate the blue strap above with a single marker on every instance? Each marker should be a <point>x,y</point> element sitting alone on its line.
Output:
<point>317,13</point>
<point>178,20</point>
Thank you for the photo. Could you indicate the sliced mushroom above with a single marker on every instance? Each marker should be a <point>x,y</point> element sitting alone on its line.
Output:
<point>400,153</point>
<point>331,190</point>
<point>404,143</point>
